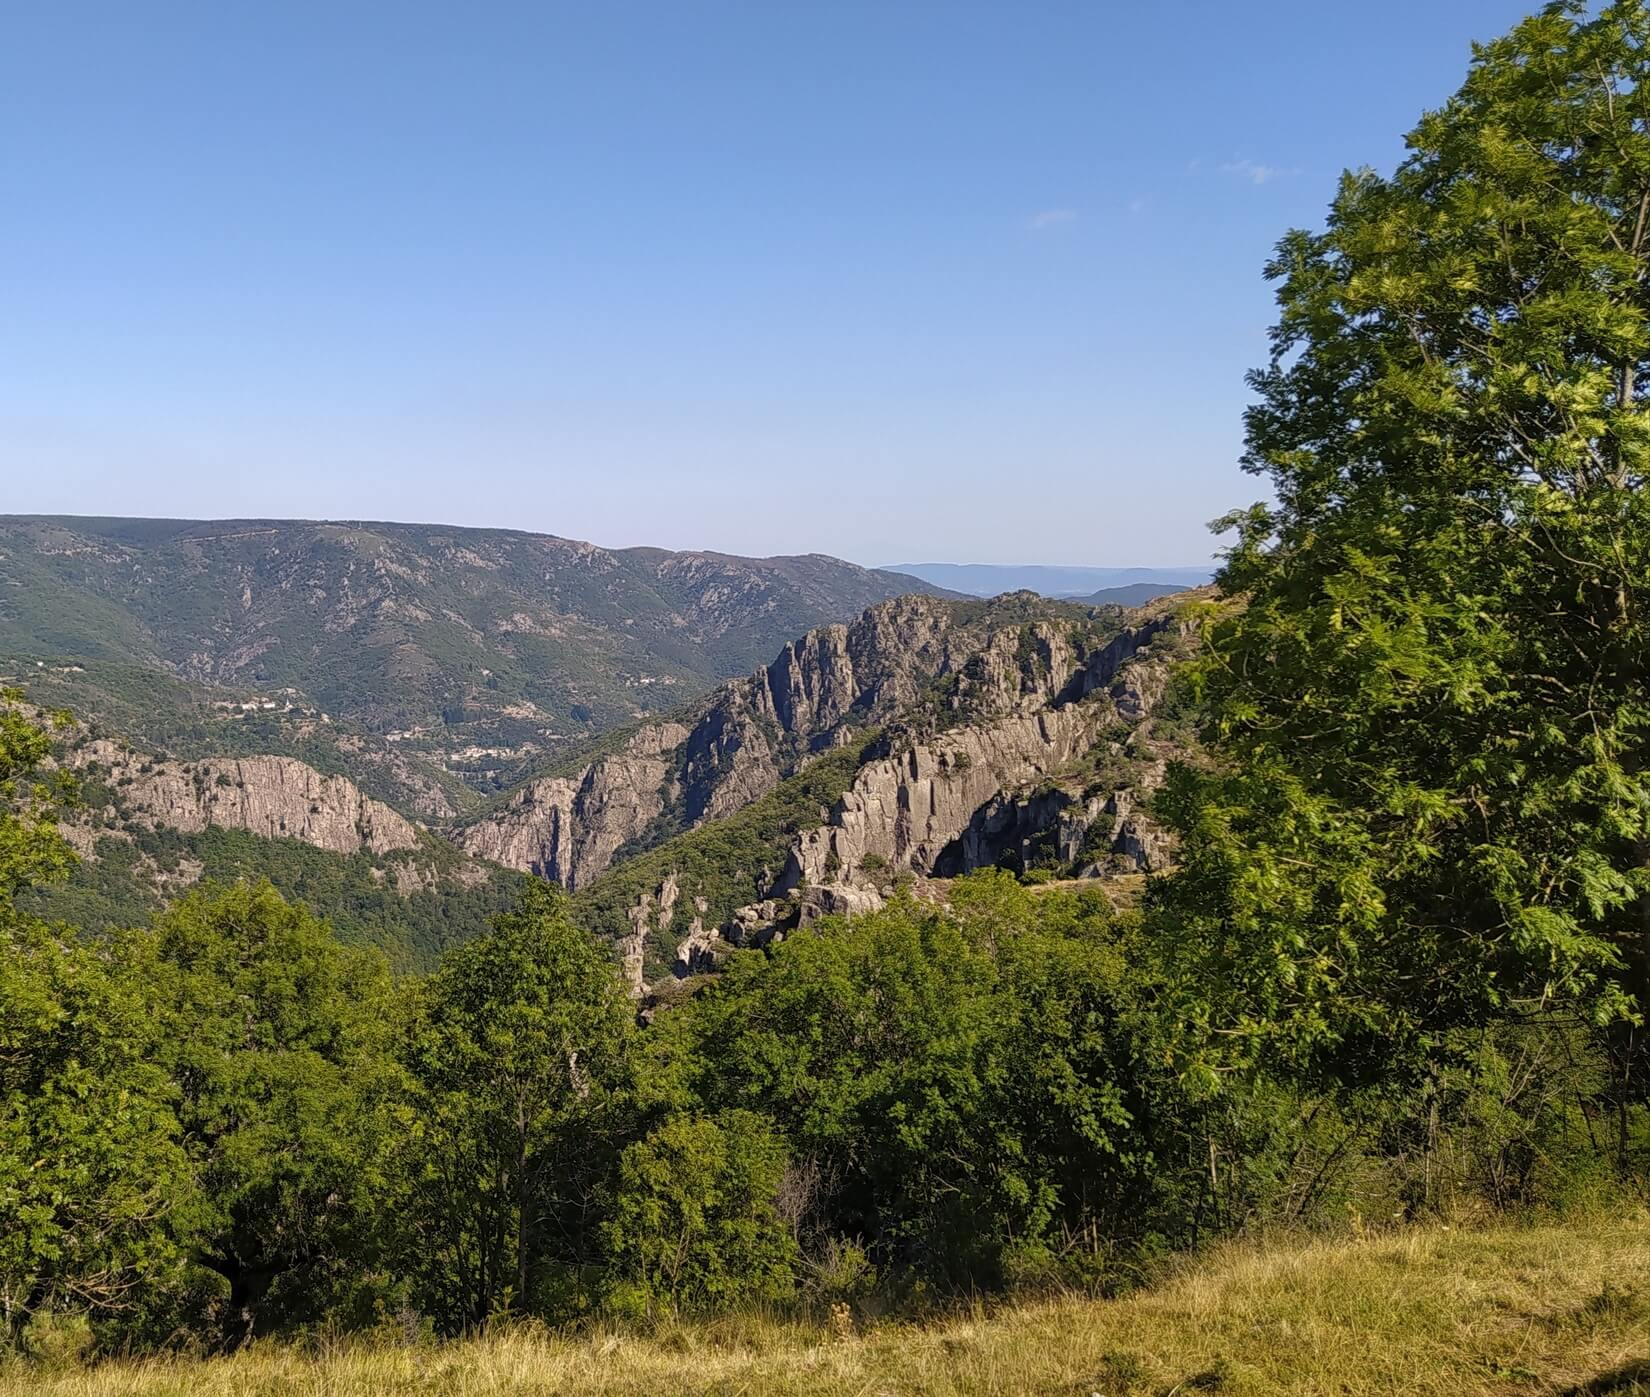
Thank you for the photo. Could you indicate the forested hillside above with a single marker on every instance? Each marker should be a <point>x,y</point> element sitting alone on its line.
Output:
<point>437,660</point>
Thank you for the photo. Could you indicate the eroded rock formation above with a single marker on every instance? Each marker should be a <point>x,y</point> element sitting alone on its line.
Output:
<point>754,732</point>
<point>568,829</point>
<point>274,797</point>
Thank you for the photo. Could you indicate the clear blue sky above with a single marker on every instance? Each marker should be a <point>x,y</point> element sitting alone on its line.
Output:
<point>896,281</point>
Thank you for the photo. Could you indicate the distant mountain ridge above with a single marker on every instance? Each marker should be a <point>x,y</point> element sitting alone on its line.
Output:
<point>749,735</point>
<point>1133,594</point>
<point>430,663</point>
<point>1061,583</point>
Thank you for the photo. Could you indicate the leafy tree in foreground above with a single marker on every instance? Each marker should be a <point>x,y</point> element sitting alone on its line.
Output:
<point>273,1035</point>
<point>92,1182</point>
<point>967,1093</point>
<point>693,1218</point>
<point>517,1064</point>
<point>1434,710</point>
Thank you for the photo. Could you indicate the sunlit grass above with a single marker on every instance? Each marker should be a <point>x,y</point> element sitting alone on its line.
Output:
<point>1539,1309</point>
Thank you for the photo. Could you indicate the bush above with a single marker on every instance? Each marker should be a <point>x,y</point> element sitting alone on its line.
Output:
<point>692,1221</point>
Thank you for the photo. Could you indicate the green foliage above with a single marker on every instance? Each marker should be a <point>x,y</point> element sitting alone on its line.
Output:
<point>31,850</point>
<point>359,894</point>
<point>517,1064</point>
<point>692,1221</point>
<point>1433,713</point>
<point>91,1178</point>
<point>953,1084</point>
<point>94,1187</point>
<point>1401,968</point>
<point>272,1035</point>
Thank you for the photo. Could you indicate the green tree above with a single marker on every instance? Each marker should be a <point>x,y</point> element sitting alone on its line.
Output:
<point>965,1090</point>
<point>1432,715</point>
<point>518,1062</point>
<point>92,1183</point>
<point>274,1037</point>
<point>32,852</point>
<point>693,1219</point>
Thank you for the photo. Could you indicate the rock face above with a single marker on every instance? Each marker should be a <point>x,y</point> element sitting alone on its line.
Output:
<point>652,914</point>
<point>651,917</point>
<point>275,797</point>
<point>1013,826</point>
<point>980,662</point>
<point>1022,782</point>
<point>937,802</point>
<point>835,900</point>
<point>568,829</point>
<point>903,811</point>
<point>699,949</point>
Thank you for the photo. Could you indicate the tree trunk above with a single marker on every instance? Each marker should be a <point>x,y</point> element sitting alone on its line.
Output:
<point>249,1283</point>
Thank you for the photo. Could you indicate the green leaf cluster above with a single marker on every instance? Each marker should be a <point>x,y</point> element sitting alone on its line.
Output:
<point>1433,710</point>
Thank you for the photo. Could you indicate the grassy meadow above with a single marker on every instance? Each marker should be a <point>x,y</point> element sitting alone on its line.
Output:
<point>1511,1309</point>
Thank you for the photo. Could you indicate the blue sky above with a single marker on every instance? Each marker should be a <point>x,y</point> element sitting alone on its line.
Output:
<point>888,280</point>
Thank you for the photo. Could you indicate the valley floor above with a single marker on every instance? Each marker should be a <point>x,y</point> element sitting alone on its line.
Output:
<point>1540,1309</point>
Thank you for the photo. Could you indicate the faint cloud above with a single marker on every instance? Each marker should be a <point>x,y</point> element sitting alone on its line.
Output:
<point>1255,172</point>
<point>1139,204</point>
<point>1050,218</point>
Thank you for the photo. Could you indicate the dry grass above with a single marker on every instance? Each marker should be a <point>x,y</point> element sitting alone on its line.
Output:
<point>1510,1310</point>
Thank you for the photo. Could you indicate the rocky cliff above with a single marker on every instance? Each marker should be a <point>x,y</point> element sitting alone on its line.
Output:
<point>273,797</point>
<point>568,829</point>
<point>903,811</point>
<point>1049,769</point>
<point>918,660</point>
<point>934,801</point>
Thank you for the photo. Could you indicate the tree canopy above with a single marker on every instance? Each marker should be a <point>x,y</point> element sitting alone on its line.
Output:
<point>1432,710</point>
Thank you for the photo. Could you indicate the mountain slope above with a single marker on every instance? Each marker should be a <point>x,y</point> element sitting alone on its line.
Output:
<point>1019,733</point>
<point>990,579</point>
<point>1131,594</point>
<point>461,655</point>
<point>926,738</point>
<point>944,660</point>
<point>146,828</point>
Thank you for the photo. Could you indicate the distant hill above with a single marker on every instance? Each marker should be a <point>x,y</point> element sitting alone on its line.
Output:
<point>990,580</point>
<point>427,662</point>
<point>1133,594</point>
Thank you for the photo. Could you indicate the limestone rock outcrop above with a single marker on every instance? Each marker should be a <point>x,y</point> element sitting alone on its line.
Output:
<point>699,949</point>
<point>972,661</point>
<point>945,799</point>
<point>651,914</point>
<point>915,810</point>
<point>568,829</point>
<point>903,811</point>
<point>274,797</point>
<point>835,900</point>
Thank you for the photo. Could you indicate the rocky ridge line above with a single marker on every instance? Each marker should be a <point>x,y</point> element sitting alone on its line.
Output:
<point>274,797</point>
<point>754,732</point>
<point>928,809</point>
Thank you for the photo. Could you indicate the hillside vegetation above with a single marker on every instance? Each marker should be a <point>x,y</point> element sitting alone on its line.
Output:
<point>476,650</point>
<point>409,905</point>
<point>723,864</point>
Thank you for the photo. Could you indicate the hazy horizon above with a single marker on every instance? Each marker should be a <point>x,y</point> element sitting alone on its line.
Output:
<point>966,282</point>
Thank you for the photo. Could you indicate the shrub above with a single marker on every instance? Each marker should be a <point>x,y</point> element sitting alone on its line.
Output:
<point>692,1221</point>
